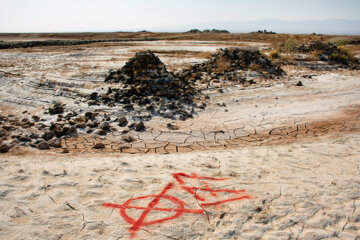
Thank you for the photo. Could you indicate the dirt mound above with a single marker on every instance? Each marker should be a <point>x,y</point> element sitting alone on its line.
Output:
<point>241,65</point>
<point>330,52</point>
<point>325,48</point>
<point>145,66</point>
<point>233,59</point>
<point>148,86</point>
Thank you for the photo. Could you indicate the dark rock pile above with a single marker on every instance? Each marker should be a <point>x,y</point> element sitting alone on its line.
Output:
<point>145,84</point>
<point>35,131</point>
<point>45,133</point>
<point>330,52</point>
<point>323,47</point>
<point>231,61</point>
<point>145,66</point>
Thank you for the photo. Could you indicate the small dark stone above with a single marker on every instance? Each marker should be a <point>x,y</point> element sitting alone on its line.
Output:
<point>88,130</point>
<point>57,108</point>
<point>172,127</point>
<point>89,115</point>
<point>3,132</point>
<point>8,127</point>
<point>48,135</point>
<point>93,95</point>
<point>139,126</point>
<point>125,131</point>
<point>99,146</point>
<point>128,139</point>
<point>43,146</point>
<point>300,84</point>
<point>4,148</point>
<point>129,106</point>
<point>65,150</point>
<point>123,121</point>
<point>100,132</point>
<point>105,126</point>
<point>56,143</point>
<point>23,139</point>
<point>80,125</point>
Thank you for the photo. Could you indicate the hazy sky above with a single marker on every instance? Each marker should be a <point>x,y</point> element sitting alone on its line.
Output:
<point>118,15</point>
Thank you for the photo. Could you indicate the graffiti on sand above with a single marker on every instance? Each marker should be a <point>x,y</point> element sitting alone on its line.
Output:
<point>181,180</point>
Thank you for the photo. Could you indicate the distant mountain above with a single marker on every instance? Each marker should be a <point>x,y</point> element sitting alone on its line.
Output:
<point>328,26</point>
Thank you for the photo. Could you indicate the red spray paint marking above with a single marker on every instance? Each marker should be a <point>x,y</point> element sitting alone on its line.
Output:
<point>180,210</point>
<point>192,190</point>
<point>224,201</point>
<point>137,224</point>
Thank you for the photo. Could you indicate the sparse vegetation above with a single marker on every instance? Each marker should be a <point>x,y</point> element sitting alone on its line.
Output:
<point>265,32</point>
<point>222,64</point>
<point>341,42</point>
<point>274,55</point>
<point>291,45</point>
<point>343,56</point>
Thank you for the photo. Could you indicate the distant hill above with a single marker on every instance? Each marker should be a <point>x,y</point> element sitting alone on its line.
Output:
<point>328,26</point>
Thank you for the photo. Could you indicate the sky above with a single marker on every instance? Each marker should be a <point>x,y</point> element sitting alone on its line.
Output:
<point>135,15</point>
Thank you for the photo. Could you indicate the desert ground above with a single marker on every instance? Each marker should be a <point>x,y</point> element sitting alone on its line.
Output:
<point>256,154</point>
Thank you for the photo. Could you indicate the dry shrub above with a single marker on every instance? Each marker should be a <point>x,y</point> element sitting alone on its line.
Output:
<point>291,45</point>
<point>316,54</point>
<point>343,56</point>
<point>274,54</point>
<point>223,64</point>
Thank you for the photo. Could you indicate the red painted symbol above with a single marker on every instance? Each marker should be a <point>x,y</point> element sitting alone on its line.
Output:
<point>180,209</point>
<point>136,224</point>
<point>214,192</point>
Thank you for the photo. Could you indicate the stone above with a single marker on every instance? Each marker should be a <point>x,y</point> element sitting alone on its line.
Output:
<point>105,126</point>
<point>129,106</point>
<point>92,124</point>
<point>169,114</point>
<point>122,121</point>
<point>43,146</point>
<point>80,125</point>
<point>139,126</point>
<point>57,108</point>
<point>3,132</point>
<point>4,148</point>
<point>299,84</point>
<point>65,150</point>
<point>99,146</point>
<point>88,130</point>
<point>69,131</point>
<point>48,135</point>
<point>55,142</point>
<point>89,115</point>
<point>172,127</point>
<point>100,132</point>
<point>128,139</point>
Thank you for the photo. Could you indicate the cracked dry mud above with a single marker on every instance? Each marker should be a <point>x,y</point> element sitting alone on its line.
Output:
<point>295,150</point>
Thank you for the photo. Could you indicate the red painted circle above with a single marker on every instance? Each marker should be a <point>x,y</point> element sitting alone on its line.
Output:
<point>179,210</point>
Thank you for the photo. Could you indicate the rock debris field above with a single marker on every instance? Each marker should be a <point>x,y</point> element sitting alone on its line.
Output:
<point>130,140</point>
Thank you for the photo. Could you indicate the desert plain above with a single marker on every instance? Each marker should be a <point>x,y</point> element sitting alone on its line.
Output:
<point>258,154</point>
